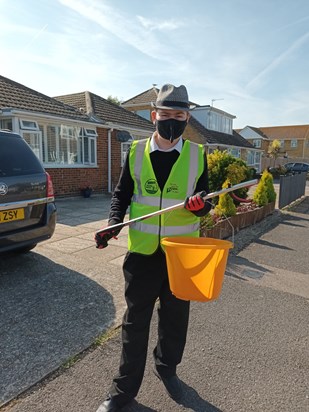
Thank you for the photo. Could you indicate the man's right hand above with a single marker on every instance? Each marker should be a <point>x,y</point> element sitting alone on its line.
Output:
<point>101,239</point>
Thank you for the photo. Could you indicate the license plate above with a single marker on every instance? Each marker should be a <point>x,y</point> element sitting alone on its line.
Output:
<point>10,215</point>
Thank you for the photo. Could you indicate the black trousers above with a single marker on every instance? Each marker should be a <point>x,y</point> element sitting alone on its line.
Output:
<point>146,280</point>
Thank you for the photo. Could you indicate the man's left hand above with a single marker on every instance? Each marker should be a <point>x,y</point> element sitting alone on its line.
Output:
<point>195,202</point>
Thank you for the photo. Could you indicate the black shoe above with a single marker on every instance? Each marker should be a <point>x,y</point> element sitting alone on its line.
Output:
<point>109,405</point>
<point>172,385</point>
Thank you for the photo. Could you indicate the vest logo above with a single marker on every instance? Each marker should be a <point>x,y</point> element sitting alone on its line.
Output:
<point>151,186</point>
<point>172,188</point>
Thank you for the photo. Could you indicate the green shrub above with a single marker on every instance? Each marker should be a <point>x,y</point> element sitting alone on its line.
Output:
<point>225,206</point>
<point>223,166</point>
<point>269,185</point>
<point>260,196</point>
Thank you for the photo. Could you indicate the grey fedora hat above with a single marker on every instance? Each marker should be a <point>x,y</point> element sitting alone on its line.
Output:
<point>172,98</point>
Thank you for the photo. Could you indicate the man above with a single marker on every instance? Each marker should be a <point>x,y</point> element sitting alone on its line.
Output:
<point>158,172</point>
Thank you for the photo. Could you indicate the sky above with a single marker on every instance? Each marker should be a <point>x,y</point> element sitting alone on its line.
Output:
<point>248,58</point>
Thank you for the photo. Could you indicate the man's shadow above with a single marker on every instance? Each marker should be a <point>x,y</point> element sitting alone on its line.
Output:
<point>191,399</point>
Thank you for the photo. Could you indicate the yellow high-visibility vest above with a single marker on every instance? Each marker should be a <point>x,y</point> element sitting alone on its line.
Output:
<point>145,236</point>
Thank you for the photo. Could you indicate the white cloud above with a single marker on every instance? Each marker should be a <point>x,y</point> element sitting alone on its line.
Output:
<point>165,25</point>
<point>257,81</point>
<point>122,26</point>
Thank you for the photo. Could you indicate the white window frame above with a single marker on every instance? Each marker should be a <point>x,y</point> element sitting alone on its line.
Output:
<point>63,131</point>
<point>144,113</point>
<point>294,143</point>
<point>255,159</point>
<point>232,151</point>
<point>257,143</point>
<point>91,154</point>
<point>281,144</point>
<point>6,124</point>
<point>90,132</point>
<point>28,124</point>
<point>35,135</point>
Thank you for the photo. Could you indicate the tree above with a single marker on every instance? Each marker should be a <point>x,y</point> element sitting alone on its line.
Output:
<point>274,150</point>
<point>114,99</point>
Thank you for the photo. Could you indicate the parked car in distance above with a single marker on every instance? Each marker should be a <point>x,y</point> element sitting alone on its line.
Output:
<point>27,204</point>
<point>296,167</point>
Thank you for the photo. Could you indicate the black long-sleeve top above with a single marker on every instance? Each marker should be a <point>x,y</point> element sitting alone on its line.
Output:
<point>162,163</point>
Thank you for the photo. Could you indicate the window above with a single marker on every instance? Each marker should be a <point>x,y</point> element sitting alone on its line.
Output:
<point>89,155</point>
<point>254,159</point>
<point>124,148</point>
<point>28,124</point>
<point>257,142</point>
<point>6,124</point>
<point>294,143</point>
<point>34,140</point>
<point>234,152</point>
<point>144,113</point>
<point>219,123</point>
<point>90,132</point>
<point>281,144</point>
<point>62,144</point>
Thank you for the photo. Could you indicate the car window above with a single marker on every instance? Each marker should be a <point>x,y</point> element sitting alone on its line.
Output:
<point>17,158</point>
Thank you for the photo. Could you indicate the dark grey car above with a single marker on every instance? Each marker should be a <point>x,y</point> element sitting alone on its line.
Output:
<point>27,204</point>
<point>297,167</point>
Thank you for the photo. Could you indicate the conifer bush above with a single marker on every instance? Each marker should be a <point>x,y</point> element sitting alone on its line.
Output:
<point>260,195</point>
<point>225,206</point>
<point>269,185</point>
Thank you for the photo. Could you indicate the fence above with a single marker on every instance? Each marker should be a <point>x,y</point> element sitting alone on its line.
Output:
<point>292,187</point>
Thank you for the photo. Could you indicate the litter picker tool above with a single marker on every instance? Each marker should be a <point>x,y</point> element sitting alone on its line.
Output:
<point>119,226</point>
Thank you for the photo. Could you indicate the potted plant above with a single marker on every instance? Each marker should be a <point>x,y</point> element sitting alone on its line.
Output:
<point>86,190</point>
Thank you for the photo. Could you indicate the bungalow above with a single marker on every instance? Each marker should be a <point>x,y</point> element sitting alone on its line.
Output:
<point>208,126</point>
<point>118,127</point>
<point>78,146</point>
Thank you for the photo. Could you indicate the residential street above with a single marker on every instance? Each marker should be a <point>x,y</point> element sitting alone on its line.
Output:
<point>247,351</point>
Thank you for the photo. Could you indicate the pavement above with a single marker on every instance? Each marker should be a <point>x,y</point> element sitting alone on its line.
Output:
<point>246,351</point>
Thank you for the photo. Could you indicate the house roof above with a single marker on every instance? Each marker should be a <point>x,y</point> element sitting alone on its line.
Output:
<point>105,110</point>
<point>219,138</point>
<point>259,132</point>
<point>145,98</point>
<point>281,132</point>
<point>287,132</point>
<point>14,95</point>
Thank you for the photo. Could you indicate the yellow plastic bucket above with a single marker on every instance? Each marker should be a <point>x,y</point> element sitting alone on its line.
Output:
<point>196,266</point>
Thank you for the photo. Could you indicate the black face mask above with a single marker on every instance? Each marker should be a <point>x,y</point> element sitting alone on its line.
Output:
<point>170,129</point>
